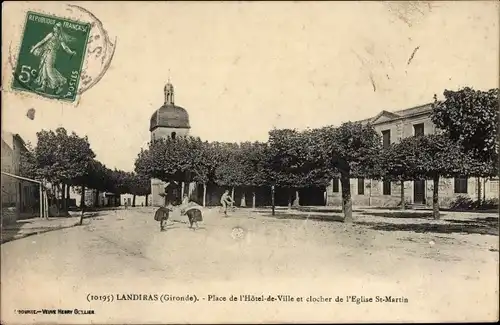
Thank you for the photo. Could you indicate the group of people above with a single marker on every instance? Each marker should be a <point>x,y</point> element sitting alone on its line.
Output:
<point>191,209</point>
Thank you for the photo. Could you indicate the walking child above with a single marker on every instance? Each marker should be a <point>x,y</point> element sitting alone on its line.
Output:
<point>161,215</point>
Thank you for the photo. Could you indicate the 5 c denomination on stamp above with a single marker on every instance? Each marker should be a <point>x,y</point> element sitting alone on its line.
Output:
<point>51,56</point>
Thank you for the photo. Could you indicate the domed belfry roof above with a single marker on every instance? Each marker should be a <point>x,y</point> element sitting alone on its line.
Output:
<point>169,115</point>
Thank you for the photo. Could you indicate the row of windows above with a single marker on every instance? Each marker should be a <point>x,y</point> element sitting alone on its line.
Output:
<point>418,130</point>
<point>460,186</point>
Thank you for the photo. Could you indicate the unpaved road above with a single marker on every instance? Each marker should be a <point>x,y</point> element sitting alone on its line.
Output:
<point>444,277</point>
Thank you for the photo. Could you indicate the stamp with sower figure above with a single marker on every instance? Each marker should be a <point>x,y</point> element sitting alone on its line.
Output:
<point>51,56</point>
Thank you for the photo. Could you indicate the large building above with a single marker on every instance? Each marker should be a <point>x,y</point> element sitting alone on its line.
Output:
<point>19,198</point>
<point>394,126</point>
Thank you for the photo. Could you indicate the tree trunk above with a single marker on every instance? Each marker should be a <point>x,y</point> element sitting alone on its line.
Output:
<point>146,203</point>
<point>133,201</point>
<point>96,198</point>
<point>346,197</point>
<point>46,205</point>
<point>403,203</point>
<point>232,193</point>
<point>478,192</point>
<point>325,197</point>
<point>63,197</point>
<point>484,189</point>
<point>204,194</point>
<point>435,198</point>
<point>243,202</point>
<point>253,199</point>
<point>272,198</point>
<point>40,194</point>
<point>68,196</point>
<point>60,193</point>
<point>182,191</point>
<point>296,202</point>
<point>82,204</point>
<point>289,198</point>
<point>370,197</point>
<point>57,196</point>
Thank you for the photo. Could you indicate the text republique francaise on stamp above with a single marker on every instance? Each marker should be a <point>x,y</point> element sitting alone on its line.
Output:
<point>51,56</point>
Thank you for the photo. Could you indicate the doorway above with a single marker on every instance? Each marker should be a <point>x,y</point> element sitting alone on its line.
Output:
<point>419,191</point>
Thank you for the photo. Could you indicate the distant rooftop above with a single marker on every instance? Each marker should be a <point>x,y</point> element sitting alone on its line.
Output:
<point>8,138</point>
<point>401,113</point>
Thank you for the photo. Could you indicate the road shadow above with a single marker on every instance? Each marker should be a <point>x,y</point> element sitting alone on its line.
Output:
<point>471,211</point>
<point>491,222</point>
<point>485,226</point>
<point>9,232</point>
<point>177,226</point>
<point>18,230</point>
<point>169,227</point>
<point>429,209</point>
<point>315,217</point>
<point>402,215</point>
<point>317,209</point>
<point>92,216</point>
<point>302,209</point>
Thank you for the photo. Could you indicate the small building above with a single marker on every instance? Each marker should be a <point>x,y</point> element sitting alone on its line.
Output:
<point>129,199</point>
<point>104,199</point>
<point>20,198</point>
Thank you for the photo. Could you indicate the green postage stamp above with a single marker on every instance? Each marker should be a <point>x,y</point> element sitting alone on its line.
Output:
<point>51,56</point>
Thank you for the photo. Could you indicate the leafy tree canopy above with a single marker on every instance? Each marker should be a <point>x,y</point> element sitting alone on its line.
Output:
<point>470,117</point>
<point>171,159</point>
<point>58,157</point>
<point>426,157</point>
<point>352,148</point>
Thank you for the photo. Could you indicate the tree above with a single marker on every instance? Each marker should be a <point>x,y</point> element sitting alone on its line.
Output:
<point>139,185</point>
<point>97,178</point>
<point>204,165</point>
<point>470,117</point>
<point>351,150</point>
<point>170,160</point>
<point>229,171</point>
<point>290,163</point>
<point>28,163</point>
<point>254,173</point>
<point>120,181</point>
<point>396,165</point>
<point>59,158</point>
<point>429,157</point>
<point>165,159</point>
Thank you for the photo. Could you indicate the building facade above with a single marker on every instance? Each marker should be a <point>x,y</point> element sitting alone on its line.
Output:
<point>169,121</point>
<point>99,199</point>
<point>394,126</point>
<point>139,200</point>
<point>19,198</point>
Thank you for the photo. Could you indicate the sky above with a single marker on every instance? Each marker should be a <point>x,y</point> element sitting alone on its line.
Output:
<point>240,69</point>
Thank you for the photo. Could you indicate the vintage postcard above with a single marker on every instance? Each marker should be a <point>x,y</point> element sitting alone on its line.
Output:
<point>249,162</point>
